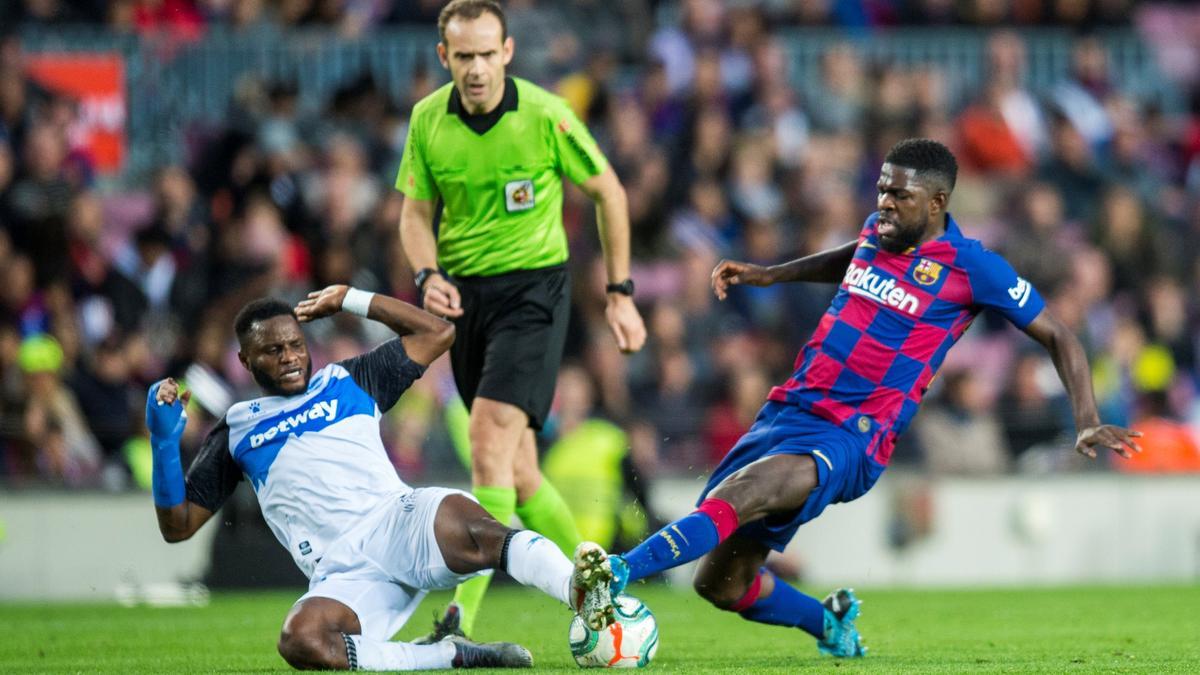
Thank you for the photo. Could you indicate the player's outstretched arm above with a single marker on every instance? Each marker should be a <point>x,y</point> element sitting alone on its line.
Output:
<point>612,216</point>
<point>1071,362</point>
<point>425,336</point>
<point>416,236</point>
<point>824,267</point>
<point>178,518</point>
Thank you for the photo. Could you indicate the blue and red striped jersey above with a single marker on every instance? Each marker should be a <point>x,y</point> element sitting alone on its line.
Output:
<point>889,327</point>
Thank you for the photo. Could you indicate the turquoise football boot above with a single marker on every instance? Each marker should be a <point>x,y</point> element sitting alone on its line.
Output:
<point>841,637</point>
<point>620,575</point>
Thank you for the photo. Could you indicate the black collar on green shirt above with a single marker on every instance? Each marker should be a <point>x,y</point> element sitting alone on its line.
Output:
<point>484,121</point>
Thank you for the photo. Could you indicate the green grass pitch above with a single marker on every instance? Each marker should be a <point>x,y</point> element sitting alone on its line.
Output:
<point>1085,630</point>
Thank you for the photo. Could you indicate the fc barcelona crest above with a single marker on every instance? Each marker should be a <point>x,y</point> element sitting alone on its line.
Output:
<point>927,272</point>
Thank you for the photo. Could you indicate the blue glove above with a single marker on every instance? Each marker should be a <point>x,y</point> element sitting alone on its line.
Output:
<point>166,424</point>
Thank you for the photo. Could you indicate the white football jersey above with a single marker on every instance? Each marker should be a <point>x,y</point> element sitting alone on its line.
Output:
<point>316,460</point>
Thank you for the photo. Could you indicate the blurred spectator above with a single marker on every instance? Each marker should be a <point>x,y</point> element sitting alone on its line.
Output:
<point>1023,117</point>
<point>1168,445</point>
<point>38,199</point>
<point>104,388</point>
<point>837,101</point>
<point>732,417</point>
<point>585,458</point>
<point>751,188</point>
<point>958,430</point>
<point>989,144</point>
<point>673,403</point>
<point>549,48</point>
<point>1032,412</point>
<point>63,447</point>
<point>1137,248</point>
<point>11,385</point>
<point>1134,161</point>
<point>23,306</point>
<point>1071,169</point>
<point>147,262</point>
<point>1037,242</point>
<point>675,46</point>
<point>1082,97</point>
<point>1168,320</point>
<point>589,90</point>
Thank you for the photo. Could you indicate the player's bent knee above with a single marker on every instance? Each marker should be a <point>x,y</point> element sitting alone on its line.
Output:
<point>311,650</point>
<point>724,596</point>
<point>487,538</point>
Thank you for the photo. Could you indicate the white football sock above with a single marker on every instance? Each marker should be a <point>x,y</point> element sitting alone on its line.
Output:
<point>368,654</point>
<point>536,561</point>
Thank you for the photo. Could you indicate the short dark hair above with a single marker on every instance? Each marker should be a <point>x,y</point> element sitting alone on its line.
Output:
<point>256,311</point>
<point>930,159</point>
<point>470,9</point>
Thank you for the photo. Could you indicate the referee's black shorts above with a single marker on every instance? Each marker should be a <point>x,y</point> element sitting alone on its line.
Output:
<point>510,338</point>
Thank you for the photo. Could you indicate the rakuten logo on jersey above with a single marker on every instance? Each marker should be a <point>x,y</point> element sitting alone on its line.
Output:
<point>326,410</point>
<point>865,281</point>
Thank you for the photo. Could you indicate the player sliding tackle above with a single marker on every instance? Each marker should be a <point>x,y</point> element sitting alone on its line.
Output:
<point>370,544</point>
<point>910,286</point>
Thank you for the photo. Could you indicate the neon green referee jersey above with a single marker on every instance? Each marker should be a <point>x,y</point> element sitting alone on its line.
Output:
<point>501,189</point>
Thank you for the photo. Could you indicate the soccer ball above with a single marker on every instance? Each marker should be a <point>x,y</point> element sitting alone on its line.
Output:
<point>630,642</point>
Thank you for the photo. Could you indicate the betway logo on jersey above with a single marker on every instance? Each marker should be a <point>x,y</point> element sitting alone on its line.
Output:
<point>865,281</point>
<point>320,411</point>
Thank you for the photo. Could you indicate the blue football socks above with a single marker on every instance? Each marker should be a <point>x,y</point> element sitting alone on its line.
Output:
<point>682,541</point>
<point>786,606</point>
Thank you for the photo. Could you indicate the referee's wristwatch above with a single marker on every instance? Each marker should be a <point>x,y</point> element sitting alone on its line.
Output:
<point>624,288</point>
<point>423,275</point>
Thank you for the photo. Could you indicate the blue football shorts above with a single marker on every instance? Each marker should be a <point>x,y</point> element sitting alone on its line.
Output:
<point>844,471</point>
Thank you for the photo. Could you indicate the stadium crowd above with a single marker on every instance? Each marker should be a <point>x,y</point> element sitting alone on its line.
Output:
<point>626,22</point>
<point>1093,193</point>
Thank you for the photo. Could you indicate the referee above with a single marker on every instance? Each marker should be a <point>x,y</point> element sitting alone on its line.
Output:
<point>494,150</point>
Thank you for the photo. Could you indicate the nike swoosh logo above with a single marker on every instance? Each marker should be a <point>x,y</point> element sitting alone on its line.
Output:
<point>825,459</point>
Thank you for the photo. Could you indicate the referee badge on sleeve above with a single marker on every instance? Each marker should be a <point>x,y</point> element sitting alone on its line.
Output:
<point>518,195</point>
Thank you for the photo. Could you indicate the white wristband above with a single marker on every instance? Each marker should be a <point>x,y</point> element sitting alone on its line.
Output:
<point>357,302</point>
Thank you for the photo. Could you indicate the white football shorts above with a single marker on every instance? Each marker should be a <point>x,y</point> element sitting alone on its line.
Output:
<point>383,567</point>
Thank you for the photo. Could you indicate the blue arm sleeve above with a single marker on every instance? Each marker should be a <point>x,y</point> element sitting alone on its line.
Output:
<point>996,286</point>
<point>166,424</point>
